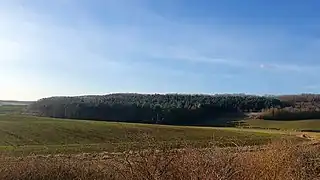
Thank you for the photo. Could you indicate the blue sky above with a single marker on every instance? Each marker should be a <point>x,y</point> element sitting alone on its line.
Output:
<point>75,47</point>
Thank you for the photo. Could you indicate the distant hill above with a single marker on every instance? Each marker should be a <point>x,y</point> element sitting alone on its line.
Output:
<point>15,103</point>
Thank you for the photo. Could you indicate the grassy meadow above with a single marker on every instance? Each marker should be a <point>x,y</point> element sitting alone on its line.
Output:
<point>26,134</point>
<point>11,109</point>
<point>294,125</point>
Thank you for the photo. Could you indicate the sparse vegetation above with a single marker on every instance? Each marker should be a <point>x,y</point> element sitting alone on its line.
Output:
<point>278,161</point>
<point>295,107</point>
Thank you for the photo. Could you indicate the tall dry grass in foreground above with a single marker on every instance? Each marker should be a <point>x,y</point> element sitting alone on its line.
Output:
<point>278,161</point>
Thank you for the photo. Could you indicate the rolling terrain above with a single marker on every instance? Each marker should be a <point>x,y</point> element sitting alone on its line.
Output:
<point>52,148</point>
<point>21,134</point>
<point>25,134</point>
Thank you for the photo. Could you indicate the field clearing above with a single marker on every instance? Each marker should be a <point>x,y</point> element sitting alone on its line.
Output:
<point>310,128</point>
<point>295,125</point>
<point>9,109</point>
<point>26,134</point>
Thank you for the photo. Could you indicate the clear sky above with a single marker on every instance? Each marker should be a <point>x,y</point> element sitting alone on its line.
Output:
<point>76,47</point>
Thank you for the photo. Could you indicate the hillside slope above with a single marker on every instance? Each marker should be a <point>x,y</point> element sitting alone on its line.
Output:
<point>24,134</point>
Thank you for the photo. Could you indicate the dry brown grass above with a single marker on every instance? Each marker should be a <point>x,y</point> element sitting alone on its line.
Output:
<point>278,161</point>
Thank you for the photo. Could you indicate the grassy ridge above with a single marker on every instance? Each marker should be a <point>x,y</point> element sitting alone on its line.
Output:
<point>24,134</point>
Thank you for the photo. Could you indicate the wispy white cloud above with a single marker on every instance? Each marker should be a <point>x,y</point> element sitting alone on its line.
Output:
<point>291,68</point>
<point>70,41</point>
<point>312,87</point>
<point>214,45</point>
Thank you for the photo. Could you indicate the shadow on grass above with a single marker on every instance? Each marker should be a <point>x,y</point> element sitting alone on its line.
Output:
<point>297,119</point>
<point>228,120</point>
<point>311,130</point>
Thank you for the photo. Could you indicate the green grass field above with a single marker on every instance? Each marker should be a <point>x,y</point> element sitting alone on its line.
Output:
<point>10,109</point>
<point>298,125</point>
<point>27,134</point>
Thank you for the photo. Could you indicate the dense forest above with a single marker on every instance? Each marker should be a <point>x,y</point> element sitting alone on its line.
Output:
<point>155,108</point>
<point>178,108</point>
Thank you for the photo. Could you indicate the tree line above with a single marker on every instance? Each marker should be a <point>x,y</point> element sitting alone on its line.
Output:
<point>296,107</point>
<point>152,108</point>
